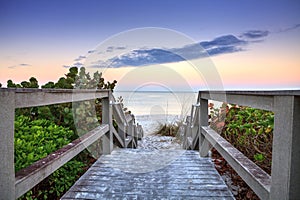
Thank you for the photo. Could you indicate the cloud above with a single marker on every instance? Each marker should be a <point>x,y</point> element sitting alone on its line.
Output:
<point>112,48</point>
<point>220,45</point>
<point>289,28</point>
<point>226,40</point>
<point>100,64</point>
<point>120,48</point>
<point>24,65</point>
<point>80,58</point>
<point>91,51</point>
<point>20,65</point>
<point>255,34</point>
<point>223,44</point>
<point>141,57</point>
<point>78,64</point>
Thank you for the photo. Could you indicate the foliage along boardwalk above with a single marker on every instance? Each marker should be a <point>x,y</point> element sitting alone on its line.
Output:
<point>150,174</point>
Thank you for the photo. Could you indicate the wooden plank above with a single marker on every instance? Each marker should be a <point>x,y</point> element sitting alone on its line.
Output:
<point>107,139</point>
<point>253,175</point>
<point>204,146</point>
<point>163,174</point>
<point>256,92</point>
<point>41,97</point>
<point>32,175</point>
<point>128,141</point>
<point>254,100</point>
<point>119,115</point>
<point>286,149</point>
<point>118,137</point>
<point>7,169</point>
<point>139,131</point>
<point>128,118</point>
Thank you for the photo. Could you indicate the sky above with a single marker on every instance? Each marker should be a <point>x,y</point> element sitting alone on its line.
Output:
<point>194,44</point>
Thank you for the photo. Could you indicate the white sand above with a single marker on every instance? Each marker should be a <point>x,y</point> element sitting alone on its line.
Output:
<point>151,124</point>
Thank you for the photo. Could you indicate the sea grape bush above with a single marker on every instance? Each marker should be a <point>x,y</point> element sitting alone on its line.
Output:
<point>42,130</point>
<point>249,130</point>
<point>63,114</point>
<point>35,139</point>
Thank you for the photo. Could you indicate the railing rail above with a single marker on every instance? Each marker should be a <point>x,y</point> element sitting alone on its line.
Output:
<point>13,185</point>
<point>285,179</point>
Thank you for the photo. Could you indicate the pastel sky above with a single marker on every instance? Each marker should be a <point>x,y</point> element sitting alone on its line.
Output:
<point>249,44</point>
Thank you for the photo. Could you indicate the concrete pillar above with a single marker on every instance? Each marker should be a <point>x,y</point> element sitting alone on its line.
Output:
<point>7,168</point>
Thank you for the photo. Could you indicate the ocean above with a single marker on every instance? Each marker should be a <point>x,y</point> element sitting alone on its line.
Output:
<point>153,109</point>
<point>158,103</point>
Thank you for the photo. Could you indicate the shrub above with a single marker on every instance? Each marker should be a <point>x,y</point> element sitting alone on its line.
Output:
<point>35,140</point>
<point>250,131</point>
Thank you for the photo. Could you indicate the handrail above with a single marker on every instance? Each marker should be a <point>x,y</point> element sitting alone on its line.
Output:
<point>27,177</point>
<point>285,156</point>
<point>14,185</point>
<point>128,133</point>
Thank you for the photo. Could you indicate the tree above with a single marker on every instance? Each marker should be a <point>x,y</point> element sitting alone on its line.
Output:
<point>33,83</point>
<point>63,83</point>
<point>11,84</point>
<point>50,84</point>
<point>25,84</point>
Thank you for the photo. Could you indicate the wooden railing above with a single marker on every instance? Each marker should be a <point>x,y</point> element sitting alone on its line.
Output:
<point>285,180</point>
<point>14,185</point>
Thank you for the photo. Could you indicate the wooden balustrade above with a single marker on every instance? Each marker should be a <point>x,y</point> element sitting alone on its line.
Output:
<point>14,185</point>
<point>285,179</point>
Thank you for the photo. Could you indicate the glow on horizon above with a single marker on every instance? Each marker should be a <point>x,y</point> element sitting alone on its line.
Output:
<point>267,71</point>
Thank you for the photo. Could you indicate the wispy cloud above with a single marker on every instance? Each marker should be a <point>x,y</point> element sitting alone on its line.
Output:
<point>112,48</point>
<point>255,34</point>
<point>79,58</point>
<point>100,64</point>
<point>91,51</point>
<point>20,65</point>
<point>24,65</point>
<point>78,64</point>
<point>289,28</point>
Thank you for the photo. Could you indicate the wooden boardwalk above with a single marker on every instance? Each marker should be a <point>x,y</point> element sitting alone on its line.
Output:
<point>150,174</point>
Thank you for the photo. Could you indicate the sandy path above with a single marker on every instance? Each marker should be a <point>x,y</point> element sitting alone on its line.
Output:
<point>151,124</point>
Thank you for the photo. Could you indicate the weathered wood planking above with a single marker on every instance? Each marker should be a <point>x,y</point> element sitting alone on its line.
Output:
<point>148,174</point>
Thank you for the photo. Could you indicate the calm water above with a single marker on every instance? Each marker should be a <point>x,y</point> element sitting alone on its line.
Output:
<point>158,103</point>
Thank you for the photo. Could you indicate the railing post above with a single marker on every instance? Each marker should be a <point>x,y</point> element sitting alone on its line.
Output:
<point>107,139</point>
<point>203,143</point>
<point>132,130</point>
<point>286,149</point>
<point>122,131</point>
<point>7,168</point>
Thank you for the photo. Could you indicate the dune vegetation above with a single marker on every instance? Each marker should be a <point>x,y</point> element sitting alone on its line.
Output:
<point>39,131</point>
